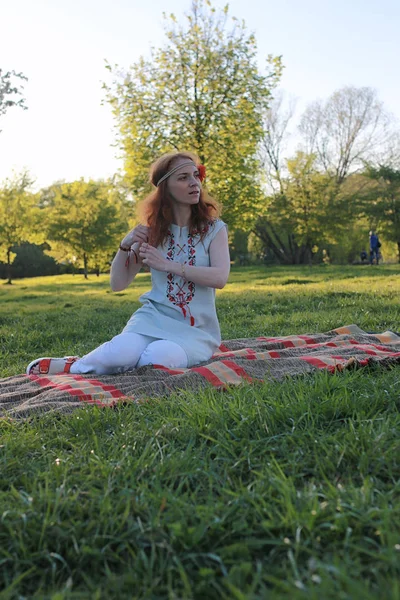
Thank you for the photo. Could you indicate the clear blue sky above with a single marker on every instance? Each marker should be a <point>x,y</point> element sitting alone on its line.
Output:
<point>61,46</point>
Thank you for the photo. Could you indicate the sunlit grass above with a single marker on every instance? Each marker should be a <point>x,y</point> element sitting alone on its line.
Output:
<point>275,490</point>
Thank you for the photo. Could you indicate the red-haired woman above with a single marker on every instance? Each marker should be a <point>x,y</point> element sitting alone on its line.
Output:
<point>185,245</point>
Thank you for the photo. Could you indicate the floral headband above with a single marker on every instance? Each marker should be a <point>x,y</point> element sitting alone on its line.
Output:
<point>201,169</point>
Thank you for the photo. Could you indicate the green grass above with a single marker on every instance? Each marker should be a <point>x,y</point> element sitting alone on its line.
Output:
<point>275,490</point>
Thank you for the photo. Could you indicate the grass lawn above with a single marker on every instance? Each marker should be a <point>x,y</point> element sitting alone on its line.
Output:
<point>275,490</point>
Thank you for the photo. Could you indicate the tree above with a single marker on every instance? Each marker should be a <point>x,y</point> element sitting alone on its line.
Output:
<point>17,217</point>
<point>276,121</point>
<point>382,203</point>
<point>202,92</point>
<point>83,221</point>
<point>9,91</point>
<point>31,261</point>
<point>303,216</point>
<point>347,130</point>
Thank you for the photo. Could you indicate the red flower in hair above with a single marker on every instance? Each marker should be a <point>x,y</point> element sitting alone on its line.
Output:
<point>202,172</point>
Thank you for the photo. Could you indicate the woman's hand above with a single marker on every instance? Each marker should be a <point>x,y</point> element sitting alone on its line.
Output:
<point>138,235</point>
<point>153,258</point>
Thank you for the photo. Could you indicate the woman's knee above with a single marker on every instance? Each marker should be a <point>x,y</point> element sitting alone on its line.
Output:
<point>165,353</point>
<point>122,351</point>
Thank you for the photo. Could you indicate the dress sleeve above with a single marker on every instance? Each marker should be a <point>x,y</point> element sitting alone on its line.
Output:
<point>215,227</point>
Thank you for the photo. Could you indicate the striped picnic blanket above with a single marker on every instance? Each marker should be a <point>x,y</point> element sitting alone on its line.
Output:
<point>236,361</point>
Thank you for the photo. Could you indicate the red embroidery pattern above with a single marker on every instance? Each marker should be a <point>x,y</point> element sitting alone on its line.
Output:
<point>180,292</point>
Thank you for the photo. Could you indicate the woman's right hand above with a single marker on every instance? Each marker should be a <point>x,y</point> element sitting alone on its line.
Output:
<point>138,234</point>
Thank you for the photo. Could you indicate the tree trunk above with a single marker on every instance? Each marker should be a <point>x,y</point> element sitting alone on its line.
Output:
<point>289,253</point>
<point>398,249</point>
<point>8,267</point>
<point>85,265</point>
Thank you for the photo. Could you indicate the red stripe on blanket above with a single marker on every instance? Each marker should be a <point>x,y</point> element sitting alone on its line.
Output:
<point>168,370</point>
<point>369,351</point>
<point>65,387</point>
<point>44,382</point>
<point>250,354</point>
<point>115,392</point>
<point>307,339</point>
<point>363,362</point>
<point>316,362</point>
<point>238,370</point>
<point>211,377</point>
<point>288,343</point>
<point>223,348</point>
<point>319,364</point>
<point>380,348</point>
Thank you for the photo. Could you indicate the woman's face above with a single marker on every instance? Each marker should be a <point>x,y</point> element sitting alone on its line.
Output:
<point>184,185</point>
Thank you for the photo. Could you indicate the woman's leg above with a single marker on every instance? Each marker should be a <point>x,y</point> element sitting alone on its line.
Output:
<point>116,356</point>
<point>163,352</point>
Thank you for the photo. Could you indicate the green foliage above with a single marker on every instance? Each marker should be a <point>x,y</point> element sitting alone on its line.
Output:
<point>203,92</point>
<point>308,213</point>
<point>84,221</point>
<point>345,247</point>
<point>281,490</point>
<point>313,200</point>
<point>10,90</point>
<point>18,217</point>
<point>238,243</point>
<point>323,203</point>
<point>382,203</point>
<point>31,261</point>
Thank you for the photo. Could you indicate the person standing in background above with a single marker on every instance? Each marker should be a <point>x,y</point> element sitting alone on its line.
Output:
<point>374,245</point>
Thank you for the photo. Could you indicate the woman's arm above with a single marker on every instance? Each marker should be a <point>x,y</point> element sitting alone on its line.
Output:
<point>122,274</point>
<point>123,271</point>
<point>214,276</point>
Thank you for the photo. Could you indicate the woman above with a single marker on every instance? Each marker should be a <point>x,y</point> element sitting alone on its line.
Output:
<point>185,246</point>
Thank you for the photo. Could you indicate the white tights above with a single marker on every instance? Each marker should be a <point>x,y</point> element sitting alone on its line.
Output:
<point>129,350</point>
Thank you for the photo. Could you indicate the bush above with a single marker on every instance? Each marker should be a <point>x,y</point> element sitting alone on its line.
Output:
<point>30,261</point>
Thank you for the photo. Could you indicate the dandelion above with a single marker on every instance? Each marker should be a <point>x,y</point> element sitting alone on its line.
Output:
<point>286,540</point>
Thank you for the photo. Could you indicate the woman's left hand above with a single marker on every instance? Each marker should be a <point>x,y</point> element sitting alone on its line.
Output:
<point>153,258</point>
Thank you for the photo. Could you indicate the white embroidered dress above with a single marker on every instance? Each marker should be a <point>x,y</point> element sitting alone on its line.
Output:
<point>179,310</point>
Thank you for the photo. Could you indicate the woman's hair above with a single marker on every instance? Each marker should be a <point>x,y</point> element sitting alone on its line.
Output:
<point>156,209</point>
